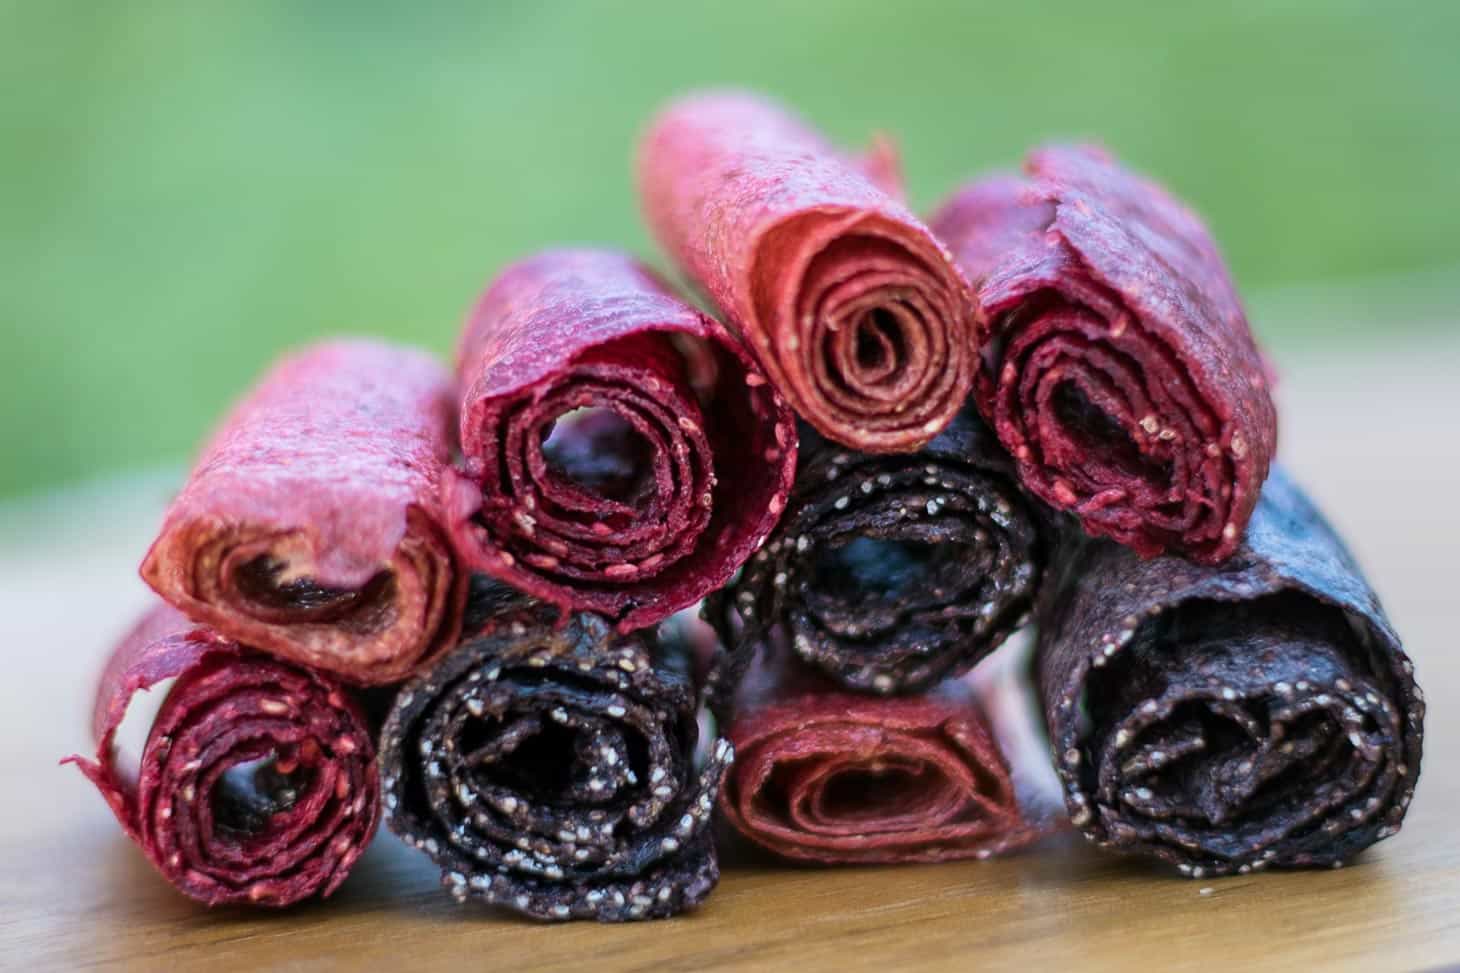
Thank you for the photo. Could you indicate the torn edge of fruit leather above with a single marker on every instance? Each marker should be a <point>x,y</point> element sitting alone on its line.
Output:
<point>1226,719</point>
<point>826,776</point>
<point>1119,369</point>
<point>889,573</point>
<point>257,784</point>
<point>549,767</point>
<point>311,526</point>
<point>622,452</point>
<point>855,309</point>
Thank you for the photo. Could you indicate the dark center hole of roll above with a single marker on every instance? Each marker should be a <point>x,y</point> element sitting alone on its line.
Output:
<point>1105,440</point>
<point>875,568</point>
<point>872,790</point>
<point>598,450</point>
<point>303,599</point>
<point>247,795</point>
<point>541,765</point>
<point>879,341</point>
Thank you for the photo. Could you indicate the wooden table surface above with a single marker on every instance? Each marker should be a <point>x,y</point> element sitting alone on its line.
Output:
<point>1370,433</point>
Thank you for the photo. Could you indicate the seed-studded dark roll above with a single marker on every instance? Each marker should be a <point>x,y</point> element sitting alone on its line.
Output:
<point>1229,718</point>
<point>550,769</point>
<point>889,573</point>
<point>257,784</point>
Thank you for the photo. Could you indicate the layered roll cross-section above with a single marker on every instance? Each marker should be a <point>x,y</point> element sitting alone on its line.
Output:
<point>550,769</point>
<point>257,783</point>
<point>853,307</point>
<point>889,573</point>
<point>311,526</point>
<point>833,777</point>
<point>622,452</point>
<point>1118,367</point>
<point>1226,719</point>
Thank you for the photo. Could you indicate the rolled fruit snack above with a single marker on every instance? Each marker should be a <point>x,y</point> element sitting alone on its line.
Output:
<point>549,768</point>
<point>827,776</point>
<point>1118,368</point>
<point>622,453</point>
<point>257,783</point>
<point>311,526</point>
<point>1226,719</point>
<point>889,573</point>
<point>855,310</point>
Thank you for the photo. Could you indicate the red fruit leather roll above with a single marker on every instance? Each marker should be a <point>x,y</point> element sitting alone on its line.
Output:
<point>257,783</point>
<point>311,527</point>
<point>854,308</point>
<point>827,776</point>
<point>622,454</point>
<point>1119,368</point>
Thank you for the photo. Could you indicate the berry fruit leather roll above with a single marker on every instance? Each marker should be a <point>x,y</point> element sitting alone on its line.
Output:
<point>836,778</point>
<point>1118,368</point>
<point>854,308</point>
<point>257,783</point>
<point>622,453</point>
<point>311,526</point>
<point>550,769</point>
<point>889,573</point>
<point>1229,718</point>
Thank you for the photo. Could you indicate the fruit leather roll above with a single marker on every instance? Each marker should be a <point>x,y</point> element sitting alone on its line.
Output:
<point>549,768</point>
<point>889,573</point>
<point>622,453</point>
<point>257,783</point>
<point>1119,369</point>
<point>311,526</point>
<point>854,308</point>
<point>1229,718</point>
<point>831,777</point>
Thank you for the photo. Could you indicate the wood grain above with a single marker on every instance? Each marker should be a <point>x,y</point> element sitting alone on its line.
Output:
<point>1370,436</point>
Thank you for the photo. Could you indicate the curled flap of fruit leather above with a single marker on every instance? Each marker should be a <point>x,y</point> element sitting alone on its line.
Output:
<point>311,526</point>
<point>257,784</point>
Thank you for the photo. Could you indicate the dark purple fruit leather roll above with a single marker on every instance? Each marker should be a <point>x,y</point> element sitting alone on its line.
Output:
<point>1226,719</point>
<point>549,769</point>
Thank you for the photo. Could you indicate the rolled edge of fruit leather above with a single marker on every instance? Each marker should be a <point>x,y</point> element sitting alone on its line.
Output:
<point>550,769</point>
<point>854,308</point>
<point>831,777</point>
<point>890,573</point>
<point>257,783</point>
<point>622,452</point>
<point>311,526</point>
<point>1226,719</point>
<point>1119,369</point>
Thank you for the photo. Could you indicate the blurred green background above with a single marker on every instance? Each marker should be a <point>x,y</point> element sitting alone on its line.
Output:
<point>186,188</point>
